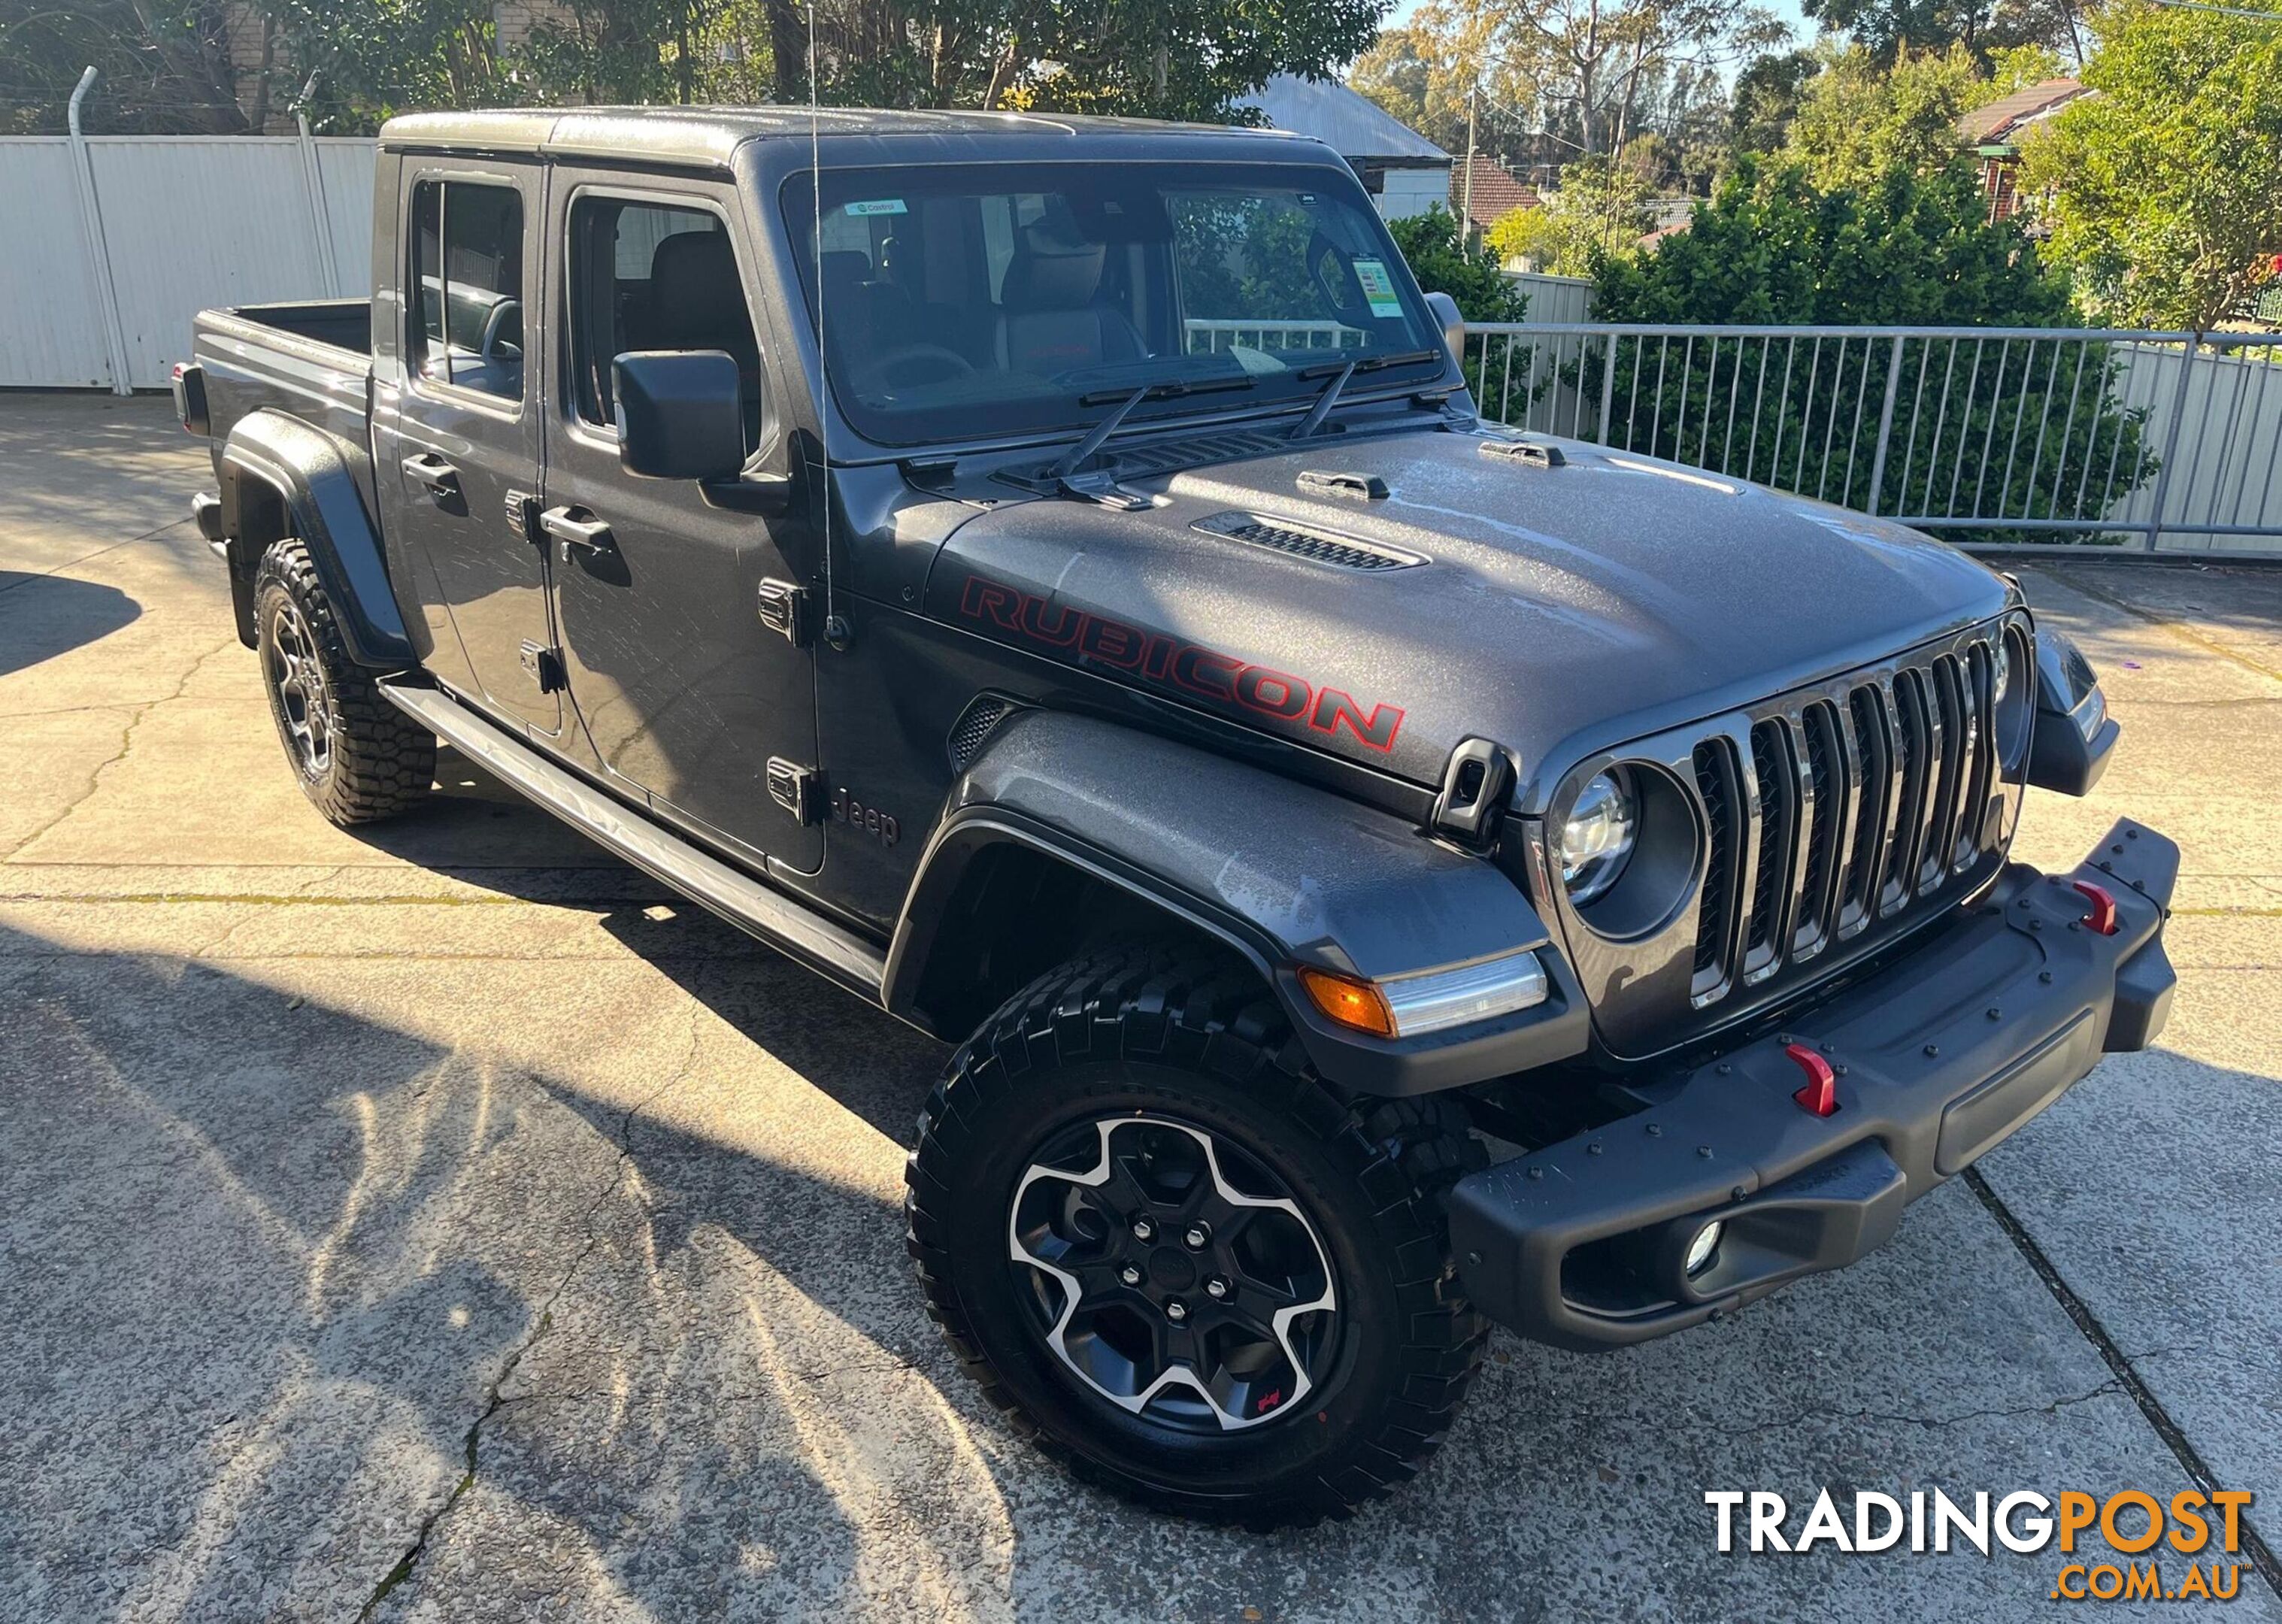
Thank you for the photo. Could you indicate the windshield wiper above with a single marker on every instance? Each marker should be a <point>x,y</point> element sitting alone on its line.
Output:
<point>1339,373</point>
<point>1097,485</point>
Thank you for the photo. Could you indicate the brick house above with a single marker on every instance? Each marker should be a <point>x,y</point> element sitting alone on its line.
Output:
<point>1993,134</point>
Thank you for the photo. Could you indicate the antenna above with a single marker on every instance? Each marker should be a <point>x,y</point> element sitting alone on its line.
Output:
<point>835,630</point>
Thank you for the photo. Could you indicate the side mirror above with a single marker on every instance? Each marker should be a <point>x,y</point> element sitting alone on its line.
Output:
<point>680,413</point>
<point>1445,310</point>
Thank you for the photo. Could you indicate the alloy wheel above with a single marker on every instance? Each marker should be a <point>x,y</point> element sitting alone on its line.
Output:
<point>1173,1273</point>
<point>304,701</point>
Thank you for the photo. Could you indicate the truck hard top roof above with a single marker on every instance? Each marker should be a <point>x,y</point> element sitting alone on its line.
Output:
<point>708,136</point>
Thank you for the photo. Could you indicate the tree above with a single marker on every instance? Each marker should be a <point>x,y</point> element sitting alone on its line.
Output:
<point>1599,213</point>
<point>2164,201</point>
<point>1416,75</point>
<point>1907,250</point>
<point>1566,76</point>
<point>1766,98</point>
<point>1859,119</point>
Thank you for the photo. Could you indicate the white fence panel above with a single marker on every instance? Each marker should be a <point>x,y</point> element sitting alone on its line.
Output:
<point>346,163</point>
<point>2226,471</point>
<point>50,317</point>
<point>1555,298</point>
<point>200,221</point>
<point>188,221</point>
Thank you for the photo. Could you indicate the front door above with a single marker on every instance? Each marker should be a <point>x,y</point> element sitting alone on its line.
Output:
<point>683,690</point>
<point>458,455</point>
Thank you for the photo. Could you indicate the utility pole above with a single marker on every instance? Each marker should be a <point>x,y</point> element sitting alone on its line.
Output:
<point>1466,187</point>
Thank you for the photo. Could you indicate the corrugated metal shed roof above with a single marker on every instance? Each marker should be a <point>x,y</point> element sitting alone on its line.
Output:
<point>1355,127</point>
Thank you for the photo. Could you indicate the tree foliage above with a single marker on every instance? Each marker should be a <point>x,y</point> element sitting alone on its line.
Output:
<point>2165,200</point>
<point>1599,213</point>
<point>168,64</point>
<point>1907,250</point>
<point>1554,78</point>
<point>1859,119</point>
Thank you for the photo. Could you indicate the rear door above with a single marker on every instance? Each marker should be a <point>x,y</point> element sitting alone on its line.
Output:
<point>683,690</point>
<point>458,457</point>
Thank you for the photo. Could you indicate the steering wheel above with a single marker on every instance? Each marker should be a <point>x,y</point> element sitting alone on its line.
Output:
<point>914,366</point>
<point>495,324</point>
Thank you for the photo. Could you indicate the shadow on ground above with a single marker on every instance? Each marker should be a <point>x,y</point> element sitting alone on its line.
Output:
<point>65,615</point>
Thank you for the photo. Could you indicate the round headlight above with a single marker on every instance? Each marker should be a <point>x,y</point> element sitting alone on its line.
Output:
<point>1598,837</point>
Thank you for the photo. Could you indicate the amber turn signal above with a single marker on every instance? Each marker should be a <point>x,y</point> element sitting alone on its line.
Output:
<point>1358,1005</point>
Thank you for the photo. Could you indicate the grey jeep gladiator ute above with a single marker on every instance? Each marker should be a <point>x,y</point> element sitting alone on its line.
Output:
<point>1381,874</point>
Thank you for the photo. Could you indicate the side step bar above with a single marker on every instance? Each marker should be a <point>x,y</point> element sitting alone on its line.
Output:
<point>743,901</point>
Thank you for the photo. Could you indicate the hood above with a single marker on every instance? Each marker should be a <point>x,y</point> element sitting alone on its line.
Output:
<point>1553,610</point>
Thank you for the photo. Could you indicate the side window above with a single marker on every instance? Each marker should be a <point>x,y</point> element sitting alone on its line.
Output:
<point>467,264</point>
<point>653,276</point>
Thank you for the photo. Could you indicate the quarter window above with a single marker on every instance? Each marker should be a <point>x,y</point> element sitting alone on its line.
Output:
<point>467,268</point>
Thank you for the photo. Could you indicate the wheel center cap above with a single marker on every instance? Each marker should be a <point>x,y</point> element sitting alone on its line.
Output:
<point>1172,1268</point>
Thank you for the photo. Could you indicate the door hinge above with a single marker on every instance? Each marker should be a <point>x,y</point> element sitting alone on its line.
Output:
<point>544,666</point>
<point>784,610</point>
<point>793,787</point>
<point>522,517</point>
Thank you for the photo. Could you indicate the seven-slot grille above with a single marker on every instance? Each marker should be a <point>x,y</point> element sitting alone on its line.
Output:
<point>1849,806</point>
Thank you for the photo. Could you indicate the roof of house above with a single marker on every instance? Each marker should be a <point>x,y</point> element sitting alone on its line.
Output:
<point>1494,193</point>
<point>2000,121</point>
<point>1352,125</point>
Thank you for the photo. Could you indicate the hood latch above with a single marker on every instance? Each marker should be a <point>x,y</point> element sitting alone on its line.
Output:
<point>1475,786</point>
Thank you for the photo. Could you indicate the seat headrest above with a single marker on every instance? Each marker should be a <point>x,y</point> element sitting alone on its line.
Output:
<point>694,271</point>
<point>1049,275</point>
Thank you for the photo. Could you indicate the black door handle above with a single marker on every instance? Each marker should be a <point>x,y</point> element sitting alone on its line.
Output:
<point>568,526</point>
<point>440,478</point>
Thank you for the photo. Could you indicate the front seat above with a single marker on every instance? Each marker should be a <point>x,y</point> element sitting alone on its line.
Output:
<point>697,302</point>
<point>1049,321</point>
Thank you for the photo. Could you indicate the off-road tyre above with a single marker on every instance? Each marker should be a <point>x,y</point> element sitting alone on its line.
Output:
<point>1179,1033</point>
<point>359,758</point>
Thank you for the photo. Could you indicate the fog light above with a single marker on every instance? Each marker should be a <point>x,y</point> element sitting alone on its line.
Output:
<point>1700,1250</point>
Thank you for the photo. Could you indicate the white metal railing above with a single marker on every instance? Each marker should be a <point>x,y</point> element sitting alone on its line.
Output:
<point>1988,435</point>
<point>1205,335</point>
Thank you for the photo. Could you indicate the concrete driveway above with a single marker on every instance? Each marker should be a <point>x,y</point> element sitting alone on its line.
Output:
<point>442,1223</point>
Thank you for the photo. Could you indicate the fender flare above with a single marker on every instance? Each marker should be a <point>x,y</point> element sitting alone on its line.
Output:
<point>1283,874</point>
<point>313,473</point>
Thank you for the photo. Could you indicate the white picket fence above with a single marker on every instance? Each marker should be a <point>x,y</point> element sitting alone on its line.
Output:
<point>115,242</point>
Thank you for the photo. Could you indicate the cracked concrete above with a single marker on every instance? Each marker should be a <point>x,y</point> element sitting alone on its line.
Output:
<point>447,1224</point>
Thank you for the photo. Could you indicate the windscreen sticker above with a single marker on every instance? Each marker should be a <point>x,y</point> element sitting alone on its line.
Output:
<point>877,205</point>
<point>1377,288</point>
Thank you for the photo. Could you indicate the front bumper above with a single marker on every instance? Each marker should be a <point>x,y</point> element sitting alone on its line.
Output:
<point>1939,1055</point>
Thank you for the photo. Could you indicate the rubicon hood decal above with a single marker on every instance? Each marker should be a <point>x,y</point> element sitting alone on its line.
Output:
<point>1552,611</point>
<point>1197,671</point>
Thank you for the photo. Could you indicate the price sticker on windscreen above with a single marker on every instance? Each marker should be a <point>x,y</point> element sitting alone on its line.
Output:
<point>1377,288</point>
<point>878,206</point>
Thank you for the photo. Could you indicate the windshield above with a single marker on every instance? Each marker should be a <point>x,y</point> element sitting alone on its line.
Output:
<point>1046,293</point>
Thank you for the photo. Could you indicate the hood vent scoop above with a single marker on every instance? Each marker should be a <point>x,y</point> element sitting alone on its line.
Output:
<point>1528,453</point>
<point>1303,541</point>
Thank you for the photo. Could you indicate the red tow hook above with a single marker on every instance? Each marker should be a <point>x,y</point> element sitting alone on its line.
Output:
<point>1819,1097</point>
<point>2103,917</point>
